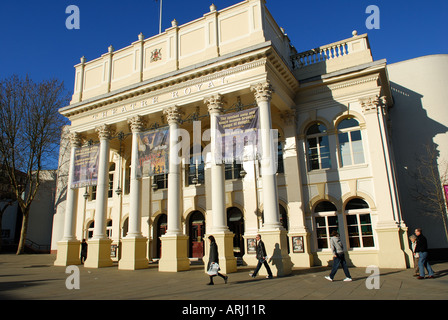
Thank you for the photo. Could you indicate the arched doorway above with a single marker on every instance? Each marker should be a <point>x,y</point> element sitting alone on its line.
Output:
<point>160,231</point>
<point>196,234</point>
<point>235,222</point>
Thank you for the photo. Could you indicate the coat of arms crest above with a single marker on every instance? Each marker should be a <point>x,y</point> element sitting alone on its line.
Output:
<point>156,55</point>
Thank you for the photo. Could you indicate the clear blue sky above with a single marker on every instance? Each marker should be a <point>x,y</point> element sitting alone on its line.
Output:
<point>34,39</point>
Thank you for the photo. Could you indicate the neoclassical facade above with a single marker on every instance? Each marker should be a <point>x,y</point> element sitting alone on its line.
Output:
<point>334,169</point>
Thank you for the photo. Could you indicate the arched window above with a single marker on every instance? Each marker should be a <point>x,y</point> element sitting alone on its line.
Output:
<point>359,224</point>
<point>318,149</point>
<point>326,221</point>
<point>350,142</point>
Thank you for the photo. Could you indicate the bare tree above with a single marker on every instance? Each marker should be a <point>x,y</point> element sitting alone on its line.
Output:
<point>30,131</point>
<point>430,175</point>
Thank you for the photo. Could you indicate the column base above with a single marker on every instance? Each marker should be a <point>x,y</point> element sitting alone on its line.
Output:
<point>300,259</point>
<point>227,260</point>
<point>174,253</point>
<point>275,242</point>
<point>390,253</point>
<point>98,253</point>
<point>68,253</point>
<point>133,254</point>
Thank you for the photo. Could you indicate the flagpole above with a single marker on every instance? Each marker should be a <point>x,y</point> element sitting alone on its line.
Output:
<point>160,18</point>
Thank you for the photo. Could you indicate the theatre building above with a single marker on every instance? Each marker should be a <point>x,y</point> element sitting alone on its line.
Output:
<point>322,119</point>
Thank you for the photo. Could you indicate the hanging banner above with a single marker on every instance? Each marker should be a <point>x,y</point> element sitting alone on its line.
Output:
<point>86,166</point>
<point>237,136</point>
<point>153,149</point>
<point>445,188</point>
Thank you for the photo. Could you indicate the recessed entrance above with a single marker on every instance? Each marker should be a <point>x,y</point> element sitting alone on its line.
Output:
<point>235,222</point>
<point>196,234</point>
<point>161,230</point>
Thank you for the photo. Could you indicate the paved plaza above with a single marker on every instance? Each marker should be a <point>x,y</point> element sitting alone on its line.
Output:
<point>33,277</point>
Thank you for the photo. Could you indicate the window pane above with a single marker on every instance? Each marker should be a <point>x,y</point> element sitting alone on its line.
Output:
<point>320,222</point>
<point>333,221</point>
<point>344,149</point>
<point>351,220</point>
<point>358,152</point>
<point>364,218</point>
<point>368,242</point>
<point>356,204</point>
<point>316,129</point>
<point>324,152</point>
<point>325,206</point>
<point>322,243</point>
<point>348,123</point>
<point>354,242</point>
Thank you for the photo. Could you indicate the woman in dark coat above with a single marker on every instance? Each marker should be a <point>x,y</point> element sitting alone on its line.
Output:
<point>213,257</point>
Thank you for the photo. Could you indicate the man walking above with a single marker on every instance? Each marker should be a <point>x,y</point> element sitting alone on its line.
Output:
<point>422,249</point>
<point>338,257</point>
<point>262,258</point>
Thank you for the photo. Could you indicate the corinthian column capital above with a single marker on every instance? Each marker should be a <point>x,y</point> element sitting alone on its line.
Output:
<point>214,103</point>
<point>172,114</point>
<point>372,103</point>
<point>262,91</point>
<point>75,139</point>
<point>136,123</point>
<point>104,131</point>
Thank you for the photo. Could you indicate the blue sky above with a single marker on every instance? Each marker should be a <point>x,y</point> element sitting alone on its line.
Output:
<point>34,39</point>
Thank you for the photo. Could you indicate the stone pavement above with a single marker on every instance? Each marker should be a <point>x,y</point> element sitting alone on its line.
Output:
<point>31,277</point>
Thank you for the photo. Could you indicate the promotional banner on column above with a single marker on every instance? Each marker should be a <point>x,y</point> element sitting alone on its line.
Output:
<point>86,166</point>
<point>153,149</point>
<point>237,136</point>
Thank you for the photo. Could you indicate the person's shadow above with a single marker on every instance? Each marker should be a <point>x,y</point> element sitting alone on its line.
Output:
<point>276,259</point>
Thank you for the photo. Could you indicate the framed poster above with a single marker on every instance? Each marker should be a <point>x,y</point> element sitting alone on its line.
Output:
<point>297,244</point>
<point>251,246</point>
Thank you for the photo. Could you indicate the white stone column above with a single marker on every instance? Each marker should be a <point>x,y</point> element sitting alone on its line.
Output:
<point>98,254</point>
<point>389,227</point>
<point>273,234</point>
<point>219,229</point>
<point>217,169</point>
<point>174,242</point>
<point>263,93</point>
<point>133,253</point>
<point>69,247</point>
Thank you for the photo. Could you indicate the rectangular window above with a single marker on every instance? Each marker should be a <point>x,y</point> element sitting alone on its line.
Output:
<point>324,227</point>
<point>318,153</point>
<point>360,234</point>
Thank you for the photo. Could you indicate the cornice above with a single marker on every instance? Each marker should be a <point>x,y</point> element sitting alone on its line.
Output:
<point>190,76</point>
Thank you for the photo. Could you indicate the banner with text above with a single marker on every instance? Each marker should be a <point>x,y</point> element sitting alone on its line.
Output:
<point>86,166</point>
<point>237,136</point>
<point>153,152</point>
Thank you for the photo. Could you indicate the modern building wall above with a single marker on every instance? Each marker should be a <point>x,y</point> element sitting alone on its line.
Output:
<point>419,123</point>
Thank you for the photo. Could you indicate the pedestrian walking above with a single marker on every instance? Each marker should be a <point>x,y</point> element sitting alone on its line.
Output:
<point>338,257</point>
<point>83,251</point>
<point>422,250</point>
<point>262,258</point>
<point>413,239</point>
<point>213,260</point>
